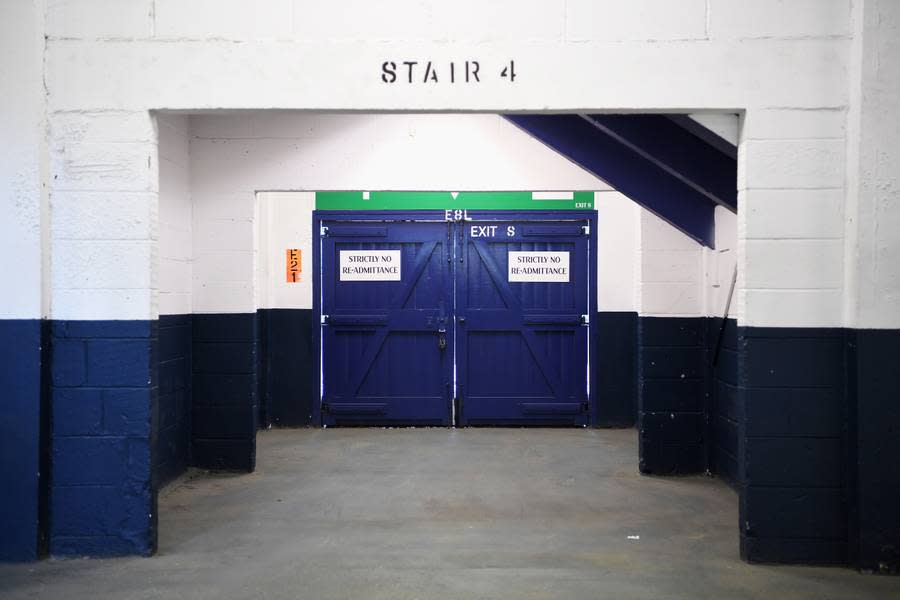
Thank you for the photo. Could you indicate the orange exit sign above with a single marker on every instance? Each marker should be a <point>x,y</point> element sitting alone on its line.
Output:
<point>294,264</point>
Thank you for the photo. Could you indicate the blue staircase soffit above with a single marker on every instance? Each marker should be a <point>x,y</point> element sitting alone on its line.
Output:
<point>652,159</point>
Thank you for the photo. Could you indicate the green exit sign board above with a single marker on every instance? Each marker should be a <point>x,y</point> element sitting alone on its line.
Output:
<point>454,200</point>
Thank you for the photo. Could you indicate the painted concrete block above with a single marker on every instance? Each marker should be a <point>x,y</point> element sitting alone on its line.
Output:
<point>777,18</point>
<point>173,303</point>
<point>794,264</point>
<point>497,21</point>
<point>657,234</point>
<point>671,299</point>
<point>99,18</point>
<point>94,508</point>
<point>222,204</point>
<point>101,215</point>
<point>779,214</point>
<point>102,304</point>
<point>104,166</point>
<point>77,412</point>
<point>101,126</point>
<point>223,266</point>
<point>784,124</point>
<point>793,513</point>
<point>211,234</point>
<point>794,462</point>
<point>113,363</point>
<point>175,275</point>
<point>126,411</point>
<point>222,19</point>
<point>792,308</point>
<point>676,266</point>
<point>101,264</point>
<point>794,164</point>
<point>70,363</point>
<point>223,297</point>
<point>90,461</point>
<point>645,20</point>
<point>467,20</point>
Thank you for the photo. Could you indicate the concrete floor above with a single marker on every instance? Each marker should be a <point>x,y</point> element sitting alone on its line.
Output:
<point>439,513</point>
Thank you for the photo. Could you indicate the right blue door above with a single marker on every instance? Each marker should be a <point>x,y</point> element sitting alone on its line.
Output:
<point>521,307</point>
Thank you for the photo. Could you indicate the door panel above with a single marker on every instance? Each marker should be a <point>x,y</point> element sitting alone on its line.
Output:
<point>522,288</point>
<point>383,360</point>
<point>497,305</point>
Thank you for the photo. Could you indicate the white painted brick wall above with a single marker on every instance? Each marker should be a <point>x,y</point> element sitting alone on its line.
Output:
<point>22,146</point>
<point>175,216</point>
<point>791,222</point>
<point>671,277</point>
<point>104,202</point>
<point>794,93</point>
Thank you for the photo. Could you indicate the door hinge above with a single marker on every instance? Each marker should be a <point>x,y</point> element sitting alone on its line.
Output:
<point>586,229</point>
<point>323,320</point>
<point>323,230</point>
<point>324,408</point>
<point>585,407</point>
<point>585,319</point>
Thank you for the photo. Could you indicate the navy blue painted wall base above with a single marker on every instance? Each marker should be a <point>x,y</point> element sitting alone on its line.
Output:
<point>103,495</point>
<point>173,427</point>
<point>791,384</point>
<point>671,371</point>
<point>874,393</point>
<point>616,359</point>
<point>287,366</point>
<point>225,387</point>
<point>23,438</point>
<point>725,413</point>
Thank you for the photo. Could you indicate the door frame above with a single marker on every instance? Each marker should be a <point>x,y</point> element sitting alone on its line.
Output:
<point>439,215</point>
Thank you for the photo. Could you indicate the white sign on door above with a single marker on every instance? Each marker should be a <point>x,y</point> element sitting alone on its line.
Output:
<point>546,267</point>
<point>370,265</point>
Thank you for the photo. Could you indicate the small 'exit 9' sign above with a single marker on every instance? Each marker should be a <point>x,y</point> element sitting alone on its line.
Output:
<point>294,263</point>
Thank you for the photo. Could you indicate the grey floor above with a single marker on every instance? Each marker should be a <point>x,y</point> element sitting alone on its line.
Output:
<point>439,513</point>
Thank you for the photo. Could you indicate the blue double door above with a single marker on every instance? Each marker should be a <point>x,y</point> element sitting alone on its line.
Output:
<point>479,322</point>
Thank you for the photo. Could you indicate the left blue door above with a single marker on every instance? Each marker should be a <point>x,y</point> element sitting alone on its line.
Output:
<point>387,302</point>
